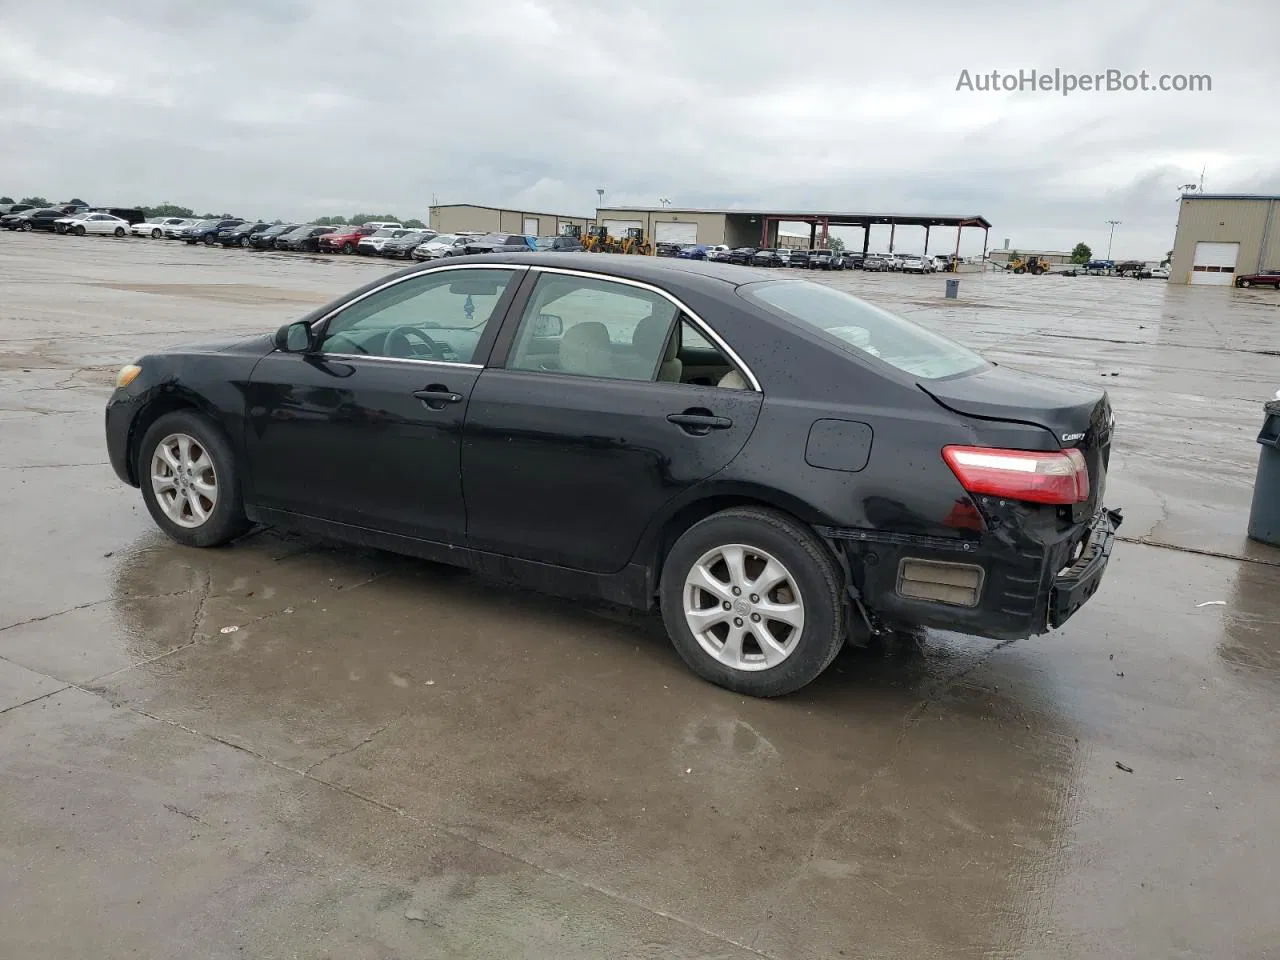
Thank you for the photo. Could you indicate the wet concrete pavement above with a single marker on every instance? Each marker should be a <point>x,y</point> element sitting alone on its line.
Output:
<point>392,759</point>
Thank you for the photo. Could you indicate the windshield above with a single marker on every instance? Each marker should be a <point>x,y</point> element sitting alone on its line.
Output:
<point>387,232</point>
<point>859,327</point>
<point>546,243</point>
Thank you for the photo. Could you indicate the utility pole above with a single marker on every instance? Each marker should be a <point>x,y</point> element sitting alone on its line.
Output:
<point>599,197</point>
<point>1111,237</point>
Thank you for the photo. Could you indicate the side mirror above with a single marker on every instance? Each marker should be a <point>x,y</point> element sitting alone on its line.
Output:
<point>295,337</point>
<point>548,325</point>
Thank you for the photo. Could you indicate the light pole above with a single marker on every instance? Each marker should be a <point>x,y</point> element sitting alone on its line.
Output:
<point>599,197</point>
<point>1111,237</point>
<point>664,202</point>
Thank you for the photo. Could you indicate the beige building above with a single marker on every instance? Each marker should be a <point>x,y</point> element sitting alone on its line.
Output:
<point>1223,235</point>
<point>456,217</point>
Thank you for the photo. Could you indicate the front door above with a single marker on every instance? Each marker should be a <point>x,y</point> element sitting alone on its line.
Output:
<point>366,430</point>
<point>592,426</point>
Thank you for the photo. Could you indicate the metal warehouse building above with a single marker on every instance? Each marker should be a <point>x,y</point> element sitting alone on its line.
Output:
<point>453,217</point>
<point>760,228</point>
<point>1221,235</point>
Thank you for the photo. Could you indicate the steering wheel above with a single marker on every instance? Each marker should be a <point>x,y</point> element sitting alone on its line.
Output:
<point>397,343</point>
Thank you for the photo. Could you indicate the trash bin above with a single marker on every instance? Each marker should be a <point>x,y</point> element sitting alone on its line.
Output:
<point>953,289</point>
<point>1264,515</point>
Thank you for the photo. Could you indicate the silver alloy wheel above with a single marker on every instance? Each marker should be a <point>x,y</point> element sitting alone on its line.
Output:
<point>743,607</point>
<point>183,480</point>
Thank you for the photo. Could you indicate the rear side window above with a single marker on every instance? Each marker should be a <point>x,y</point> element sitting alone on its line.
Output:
<point>860,328</point>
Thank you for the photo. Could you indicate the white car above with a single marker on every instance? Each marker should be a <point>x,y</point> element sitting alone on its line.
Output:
<point>891,261</point>
<point>171,232</point>
<point>102,223</point>
<point>382,224</point>
<point>912,264</point>
<point>717,251</point>
<point>1159,273</point>
<point>155,227</point>
<point>378,239</point>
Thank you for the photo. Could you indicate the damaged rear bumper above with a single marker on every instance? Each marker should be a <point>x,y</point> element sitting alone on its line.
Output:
<point>1000,587</point>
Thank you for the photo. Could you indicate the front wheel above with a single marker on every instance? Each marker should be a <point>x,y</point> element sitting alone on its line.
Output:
<point>26,227</point>
<point>79,231</point>
<point>119,231</point>
<point>1245,283</point>
<point>751,599</point>
<point>190,481</point>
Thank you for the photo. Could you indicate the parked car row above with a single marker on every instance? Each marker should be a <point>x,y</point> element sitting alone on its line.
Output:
<point>69,218</point>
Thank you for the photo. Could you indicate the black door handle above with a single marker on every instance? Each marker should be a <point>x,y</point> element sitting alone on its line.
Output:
<point>699,423</point>
<point>437,395</point>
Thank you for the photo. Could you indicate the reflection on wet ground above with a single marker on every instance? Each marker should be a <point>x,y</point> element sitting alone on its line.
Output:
<point>285,748</point>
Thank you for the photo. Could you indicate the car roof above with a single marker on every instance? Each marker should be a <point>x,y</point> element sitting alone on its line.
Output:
<point>657,270</point>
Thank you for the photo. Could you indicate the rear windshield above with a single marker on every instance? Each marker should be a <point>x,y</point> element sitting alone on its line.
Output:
<point>861,328</point>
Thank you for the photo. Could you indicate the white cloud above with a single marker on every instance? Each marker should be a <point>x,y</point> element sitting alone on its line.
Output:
<point>290,108</point>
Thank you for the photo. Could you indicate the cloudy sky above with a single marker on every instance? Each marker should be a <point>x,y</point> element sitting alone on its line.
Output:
<point>299,108</point>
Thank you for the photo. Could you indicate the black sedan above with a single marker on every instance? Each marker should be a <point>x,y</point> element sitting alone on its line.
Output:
<point>775,465</point>
<point>240,235</point>
<point>767,258</point>
<point>28,220</point>
<point>305,238</point>
<point>742,255</point>
<point>266,239</point>
<point>402,247</point>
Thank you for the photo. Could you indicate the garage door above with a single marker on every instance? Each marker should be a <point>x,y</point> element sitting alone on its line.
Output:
<point>681,233</point>
<point>1215,264</point>
<point>618,228</point>
<point>531,227</point>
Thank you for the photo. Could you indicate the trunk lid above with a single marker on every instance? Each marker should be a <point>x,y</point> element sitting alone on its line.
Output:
<point>1077,416</point>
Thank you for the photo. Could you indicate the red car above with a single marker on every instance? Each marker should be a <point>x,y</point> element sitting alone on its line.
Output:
<point>344,239</point>
<point>1269,279</point>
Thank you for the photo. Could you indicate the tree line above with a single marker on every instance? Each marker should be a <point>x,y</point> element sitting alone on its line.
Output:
<point>174,210</point>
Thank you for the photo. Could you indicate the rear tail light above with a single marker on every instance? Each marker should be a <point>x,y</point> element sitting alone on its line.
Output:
<point>1060,477</point>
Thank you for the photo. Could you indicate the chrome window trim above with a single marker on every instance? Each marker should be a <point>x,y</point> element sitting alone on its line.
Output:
<point>373,356</point>
<point>515,268</point>
<point>684,308</point>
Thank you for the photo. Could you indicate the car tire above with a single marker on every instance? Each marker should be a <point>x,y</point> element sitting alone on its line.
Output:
<point>226,520</point>
<point>155,234</point>
<point>26,227</point>
<point>119,231</point>
<point>79,231</point>
<point>210,240</point>
<point>348,248</point>
<point>811,590</point>
<point>1245,283</point>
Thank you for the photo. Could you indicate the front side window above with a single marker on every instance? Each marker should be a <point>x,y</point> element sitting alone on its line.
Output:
<point>432,316</point>
<point>861,328</point>
<point>594,328</point>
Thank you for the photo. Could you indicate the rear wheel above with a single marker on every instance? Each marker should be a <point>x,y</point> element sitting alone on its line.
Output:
<point>190,481</point>
<point>210,239</point>
<point>751,599</point>
<point>119,231</point>
<point>155,234</point>
<point>348,248</point>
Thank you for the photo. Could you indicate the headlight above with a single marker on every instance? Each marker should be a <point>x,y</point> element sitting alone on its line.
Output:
<point>127,375</point>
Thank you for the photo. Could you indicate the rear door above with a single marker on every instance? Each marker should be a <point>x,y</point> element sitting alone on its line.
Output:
<point>583,427</point>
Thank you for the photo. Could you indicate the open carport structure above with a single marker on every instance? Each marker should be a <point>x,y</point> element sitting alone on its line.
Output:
<point>759,228</point>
